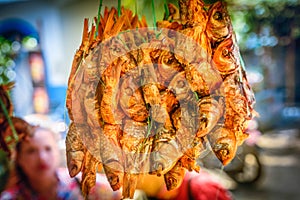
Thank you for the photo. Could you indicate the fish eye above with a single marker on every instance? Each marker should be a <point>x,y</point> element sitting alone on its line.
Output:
<point>225,52</point>
<point>129,91</point>
<point>181,84</point>
<point>218,15</point>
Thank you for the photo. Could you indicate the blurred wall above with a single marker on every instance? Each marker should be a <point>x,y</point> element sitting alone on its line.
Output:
<point>60,24</point>
<point>45,18</point>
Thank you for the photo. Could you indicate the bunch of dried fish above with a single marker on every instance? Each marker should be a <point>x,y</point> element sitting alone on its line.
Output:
<point>147,100</point>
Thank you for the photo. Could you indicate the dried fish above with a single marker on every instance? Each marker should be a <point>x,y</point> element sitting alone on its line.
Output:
<point>145,100</point>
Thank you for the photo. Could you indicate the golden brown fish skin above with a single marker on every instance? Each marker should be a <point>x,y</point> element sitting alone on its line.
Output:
<point>174,13</point>
<point>192,11</point>
<point>133,135</point>
<point>174,21</point>
<point>237,109</point>
<point>164,141</point>
<point>130,64</point>
<point>80,52</point>
<point>109,104</point>
<point>113,132</point>
<point>89,140</point>
<point>189,159</point>
<point>246,88</point>
<point>136,145</point>
<point>183,10</point>
<point>131,100</point>
<point>169,100</point>
<point>180,87</point>
<point>197,40</point>
<point>129,185</point>
<point>175,25</point>
<point>149,80</point>
<point>218,25</point>
<point>128,40</point>
<point>185,120</point>
<point>226,57</point>
<point>81,99</point>
<point>167,66</point>
<point>112,54</point>
<point>223,143</point>
<point>72,104</point>
<point>163,133</point>
<point>136,154</point>
<point>175,176</point>
<point>152,98</point>
<point>249,94</point>
<point>75,149</point>
<point>114,177</point>
<point>211,110</point>
<point>89,99</point>
<point>164,155</point>
<point>194,17</point>
<point>150,88</point>
<point>237,93</point>
<point>202,78</point>
<point>88,173</point>
<point>89,170</point>
<point>111,155</point>
<point>75,95</point>
<point>110,151</point>
<point>98,95</point>
<point>185,123</point>
<point>91,105</point>
<point>89,96</point>
<point>89,65</point>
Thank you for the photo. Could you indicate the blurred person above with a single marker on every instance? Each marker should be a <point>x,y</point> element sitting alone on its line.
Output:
<point>37,173</point>
<point>36,170</point>
<point>195,186</point>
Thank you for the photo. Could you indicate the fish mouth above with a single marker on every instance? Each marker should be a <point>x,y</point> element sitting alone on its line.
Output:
<point>171,183</point>
<point>223,153</point>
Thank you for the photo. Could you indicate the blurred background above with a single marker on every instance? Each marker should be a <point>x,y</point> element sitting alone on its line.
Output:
<point>38,39</point>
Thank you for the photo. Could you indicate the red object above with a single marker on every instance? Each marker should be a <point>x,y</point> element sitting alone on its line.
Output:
<point>199,186</point>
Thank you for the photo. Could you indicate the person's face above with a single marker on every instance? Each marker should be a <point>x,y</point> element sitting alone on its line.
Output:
<point>38,157</point>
